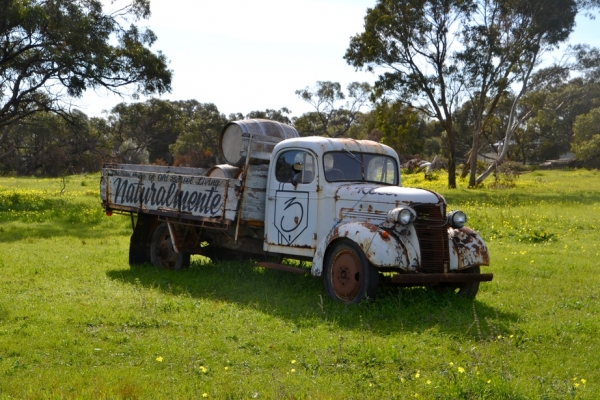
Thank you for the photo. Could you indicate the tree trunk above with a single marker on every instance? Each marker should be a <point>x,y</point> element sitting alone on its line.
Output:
<point>451,157</point>
<point>466,166</point>
<point>473,159</point>
<point>511,126</point>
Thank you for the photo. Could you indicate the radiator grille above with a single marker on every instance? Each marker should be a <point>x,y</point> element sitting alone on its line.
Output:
<point>432,233</point>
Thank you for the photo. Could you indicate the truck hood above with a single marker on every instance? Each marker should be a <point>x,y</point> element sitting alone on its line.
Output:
<point>391,196</point>
<point>371,203</point>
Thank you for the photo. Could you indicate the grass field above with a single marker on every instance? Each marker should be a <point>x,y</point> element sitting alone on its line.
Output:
<point>77,322</point>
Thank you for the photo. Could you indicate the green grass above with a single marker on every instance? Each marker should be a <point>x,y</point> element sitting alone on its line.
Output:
<point>77,322</point>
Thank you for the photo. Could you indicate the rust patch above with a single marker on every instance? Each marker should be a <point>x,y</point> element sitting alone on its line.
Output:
<point>371,228</point>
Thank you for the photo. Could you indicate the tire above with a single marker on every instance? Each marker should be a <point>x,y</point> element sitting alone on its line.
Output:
<point>141,239</point>
<point>162,253</point>
<point>221,254</point>
<point>348,276</point>
<point>467,290</point>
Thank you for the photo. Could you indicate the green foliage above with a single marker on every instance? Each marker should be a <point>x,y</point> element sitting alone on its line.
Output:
<point>52,47</point>
<point>402,127</point>
<point>556,101</point>
<point>76,321</point>
<point>143,132</point>
<point>280,115</point>
<point>46,144</point>
<point>199,140</point>
<point>440,54</point>
<point>586,137</point>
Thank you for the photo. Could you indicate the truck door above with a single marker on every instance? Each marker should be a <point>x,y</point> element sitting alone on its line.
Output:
<point>291,214</point>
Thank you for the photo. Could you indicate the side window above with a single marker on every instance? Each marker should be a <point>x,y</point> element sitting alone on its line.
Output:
<point>295,166</point>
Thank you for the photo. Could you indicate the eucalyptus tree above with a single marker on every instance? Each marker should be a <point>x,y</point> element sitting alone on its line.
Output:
<point>281,115</point>
<point>46,144</point>
<point>411,43</point>
<point>505,46</point>
<point>586,137</point>
<point>335,112</point>
<point>435,55</point>
<point>198,143</point>
<point>53,50</point>
<point>143,131</point>
<point>402,127</point>
<point>560,102</point>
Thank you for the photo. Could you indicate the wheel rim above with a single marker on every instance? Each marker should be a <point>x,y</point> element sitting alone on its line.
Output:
<point>346,275</point>
<point>165,252</point>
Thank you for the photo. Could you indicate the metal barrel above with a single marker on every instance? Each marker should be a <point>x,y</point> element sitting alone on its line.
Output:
<point>233,146</point>
<point>224,171</point>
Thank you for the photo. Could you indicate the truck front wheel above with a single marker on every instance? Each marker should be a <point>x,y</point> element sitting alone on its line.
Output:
<point>162,253</point>
<point>465,289</point>
<point>348,276</point>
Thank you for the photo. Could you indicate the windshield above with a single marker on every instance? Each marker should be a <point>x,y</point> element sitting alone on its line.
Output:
<point>345,166</point>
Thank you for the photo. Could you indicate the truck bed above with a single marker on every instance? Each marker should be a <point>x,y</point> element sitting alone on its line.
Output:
<point>184,193</point>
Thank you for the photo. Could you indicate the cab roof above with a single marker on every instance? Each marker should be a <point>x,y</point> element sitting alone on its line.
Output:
<point>321,145</point>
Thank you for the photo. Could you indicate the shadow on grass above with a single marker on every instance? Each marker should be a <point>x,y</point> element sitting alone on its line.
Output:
<point>303,301</point>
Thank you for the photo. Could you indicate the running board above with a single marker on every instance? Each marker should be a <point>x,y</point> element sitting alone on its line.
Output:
<point>437,278</point>
<point>281,267</point>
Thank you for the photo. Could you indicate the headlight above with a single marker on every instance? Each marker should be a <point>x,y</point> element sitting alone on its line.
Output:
<point>405,217</point>
<point>457,219</point>
<point>400,215</point>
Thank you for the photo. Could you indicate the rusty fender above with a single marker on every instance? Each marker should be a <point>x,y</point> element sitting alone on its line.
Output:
<point>467,249</point>
<point>380,249</point>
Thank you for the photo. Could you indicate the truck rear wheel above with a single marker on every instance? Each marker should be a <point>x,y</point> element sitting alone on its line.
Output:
<point>348,276</point>
<point>162,253</point>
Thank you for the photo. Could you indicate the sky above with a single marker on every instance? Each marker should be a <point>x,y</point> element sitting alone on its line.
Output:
<point>253,55</point>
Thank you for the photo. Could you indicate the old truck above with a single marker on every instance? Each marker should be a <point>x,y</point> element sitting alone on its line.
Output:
<point>337,203</point>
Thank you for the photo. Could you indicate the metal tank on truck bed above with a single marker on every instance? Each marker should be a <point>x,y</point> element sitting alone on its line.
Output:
<point>338,203</point>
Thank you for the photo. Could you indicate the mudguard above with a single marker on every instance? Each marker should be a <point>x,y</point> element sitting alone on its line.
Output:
<point>381,249</point>
<point>467,249</point>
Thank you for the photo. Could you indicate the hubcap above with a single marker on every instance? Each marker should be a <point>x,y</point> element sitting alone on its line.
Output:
<point>166,253</point>
<point>345,275</point>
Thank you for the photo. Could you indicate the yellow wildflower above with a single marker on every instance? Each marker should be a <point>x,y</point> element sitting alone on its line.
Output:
<point>159,359</point>
<point>461,370</point>
<point>203,369</point>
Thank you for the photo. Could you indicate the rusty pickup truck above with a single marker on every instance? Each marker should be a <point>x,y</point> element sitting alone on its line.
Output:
<point>337,203</point>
